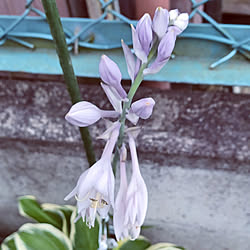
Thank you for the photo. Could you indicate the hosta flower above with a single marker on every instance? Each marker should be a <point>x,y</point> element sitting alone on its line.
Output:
<point>95,188</point>
<point>137,196</point>
<point>83,114</point>
<point>143,107</point>
<point>111,75</point>
<point>142,37</point>
<point>160,22</point>
<point>178,20</point>
<point>121,231</point>
<point>164,51</point>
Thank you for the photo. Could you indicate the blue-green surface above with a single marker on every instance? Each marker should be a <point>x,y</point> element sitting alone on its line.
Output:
<point>193,56</point>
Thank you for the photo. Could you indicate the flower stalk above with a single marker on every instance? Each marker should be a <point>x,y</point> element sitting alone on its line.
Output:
<point>57,32</point>
<point>126,105</point>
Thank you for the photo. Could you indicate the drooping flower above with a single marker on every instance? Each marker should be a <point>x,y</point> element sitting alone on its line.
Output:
<point>95,188</point>
<point>137,195</point>
<point>111,75</point>
<point>121,231</point>
<point>178,20</point>
<point>160,22</point>
<point>83,114</point>
<point>142,37</point>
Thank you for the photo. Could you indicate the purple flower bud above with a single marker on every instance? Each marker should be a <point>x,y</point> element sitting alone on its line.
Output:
<point>142,37</point>
<point>121,231</point>
<point>178,20</point>
<point>139,52</point>
<point>143,107</point>
<point>137,196</point>
<point>83,114</point>
<point>111,75</point>
<point>160,22</point>
<point>144,31</point>
<point>164,52</point>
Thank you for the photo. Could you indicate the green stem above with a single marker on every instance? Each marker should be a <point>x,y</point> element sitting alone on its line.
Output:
<point>56,29</point>
<point>126,105</point>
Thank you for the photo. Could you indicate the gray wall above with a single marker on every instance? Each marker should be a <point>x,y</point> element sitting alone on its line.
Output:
<point>194,154</point>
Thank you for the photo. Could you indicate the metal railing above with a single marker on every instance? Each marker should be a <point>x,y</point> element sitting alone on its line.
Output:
<point>84,39</point>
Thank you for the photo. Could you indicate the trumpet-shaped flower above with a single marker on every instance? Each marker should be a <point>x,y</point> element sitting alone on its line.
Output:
<point>137,196</point>
<point>83,114</point>
<point>111,75</point>
<point>160,22</point>
<point>95,188</point>
<point>121,232</point>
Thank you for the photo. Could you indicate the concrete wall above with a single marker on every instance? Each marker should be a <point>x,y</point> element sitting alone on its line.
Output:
<point>194,154</point>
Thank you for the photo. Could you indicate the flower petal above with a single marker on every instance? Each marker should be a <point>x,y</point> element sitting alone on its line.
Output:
<point>132,117</point>
<point>83,114</point>
<point>160,22</point>
<point>143,107</point>
<point>75,190</point>
<point>145,33</point>
<point>182,21</point>
<point>173,14</point>
<point>130,60</point>
<point>111,75</point>
<point>140,53</point>
<point>178,20</point>
<point>164,52</point>
<point>113,97</point>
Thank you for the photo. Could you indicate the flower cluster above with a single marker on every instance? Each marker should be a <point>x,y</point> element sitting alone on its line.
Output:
<point>94,191</point>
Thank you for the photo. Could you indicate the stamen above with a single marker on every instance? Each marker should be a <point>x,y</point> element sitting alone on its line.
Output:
<point>83,199</point>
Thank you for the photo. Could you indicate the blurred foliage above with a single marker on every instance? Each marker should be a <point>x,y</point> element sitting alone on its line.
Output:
<point>56,230</point>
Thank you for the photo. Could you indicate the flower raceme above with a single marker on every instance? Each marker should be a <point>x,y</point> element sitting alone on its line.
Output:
<point>94,190</point>
<point>160,33</point>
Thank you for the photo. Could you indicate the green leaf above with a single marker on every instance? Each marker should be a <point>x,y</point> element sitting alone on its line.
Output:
<point>164,246</point>
<point>81,236</point>
<point>63,211</point>
<point>9,243</point>
<point>139,244</point>
<point>30,208</point>
<point>41,236</point>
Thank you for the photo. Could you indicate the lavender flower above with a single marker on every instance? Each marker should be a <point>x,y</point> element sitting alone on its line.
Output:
<point>160,22</point>
<point>178,20</point>
<point>143,108</point>
<point>83,114</point>
<point>95,188</point>
<point>121,231</point>
<point>164,52</point>
<point>142,37</point>
<point>111,75</point>
<point>137,196</point>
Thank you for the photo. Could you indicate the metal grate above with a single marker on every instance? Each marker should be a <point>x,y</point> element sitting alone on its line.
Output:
<point>237,38</point>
